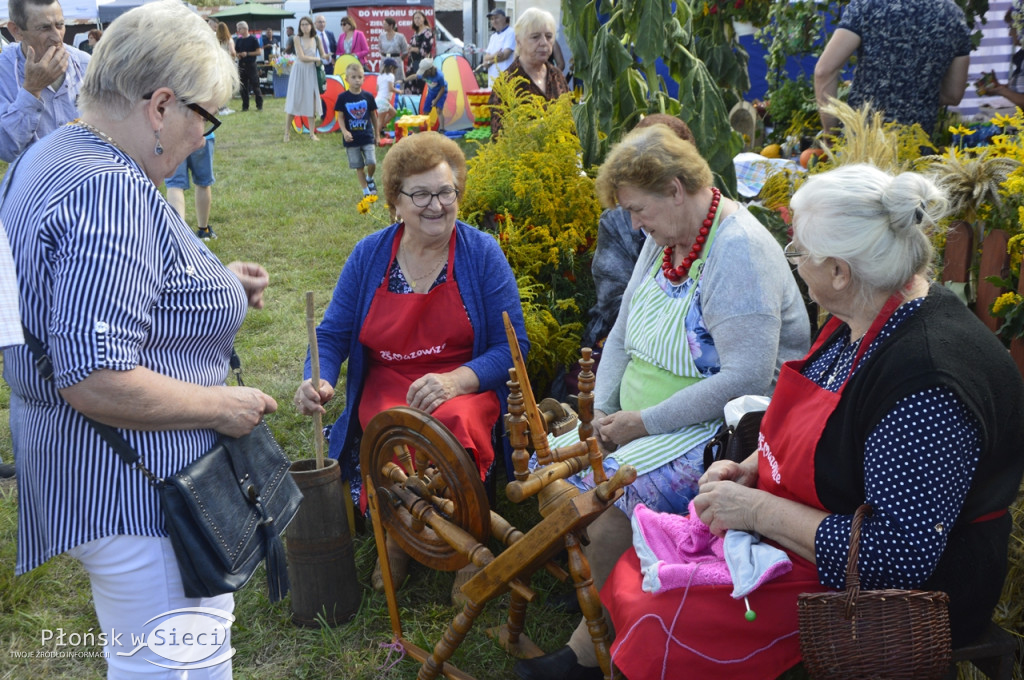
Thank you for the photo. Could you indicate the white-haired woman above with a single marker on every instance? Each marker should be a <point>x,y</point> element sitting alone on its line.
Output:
<point>905,402</point>
<point>138,319</point>
<point>535,39</point>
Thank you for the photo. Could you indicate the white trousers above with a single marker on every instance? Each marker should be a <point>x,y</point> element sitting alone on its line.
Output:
<point>137,591</point>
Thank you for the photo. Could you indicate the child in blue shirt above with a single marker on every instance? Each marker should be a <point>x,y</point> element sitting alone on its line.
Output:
<point>437,89</point>
<point>358,112</point>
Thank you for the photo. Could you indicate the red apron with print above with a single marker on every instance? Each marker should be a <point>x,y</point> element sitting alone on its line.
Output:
<point>702,628</point>
<point>796,418</point>
<point>407,336</point>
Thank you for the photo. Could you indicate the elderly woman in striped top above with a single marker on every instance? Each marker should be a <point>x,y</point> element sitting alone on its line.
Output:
<point>710,313</point>
<point>138,319</point>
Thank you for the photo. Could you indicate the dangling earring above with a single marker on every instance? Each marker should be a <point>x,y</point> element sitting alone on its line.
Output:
<point>158,149</point>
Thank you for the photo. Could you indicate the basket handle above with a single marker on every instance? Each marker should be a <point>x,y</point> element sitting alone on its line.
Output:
<point>852,577</point>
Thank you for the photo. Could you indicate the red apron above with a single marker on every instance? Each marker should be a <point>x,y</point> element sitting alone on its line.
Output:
<point>702,628</point>
<point>796,417</point>
<point>409,335</point>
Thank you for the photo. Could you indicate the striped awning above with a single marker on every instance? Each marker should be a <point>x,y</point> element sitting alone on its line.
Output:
<point>993,54</point>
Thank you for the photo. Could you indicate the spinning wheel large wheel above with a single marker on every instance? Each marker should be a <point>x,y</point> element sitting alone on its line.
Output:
<point>446,475</point>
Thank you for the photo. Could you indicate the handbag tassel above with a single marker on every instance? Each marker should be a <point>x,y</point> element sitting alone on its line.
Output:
<point>277,566</point>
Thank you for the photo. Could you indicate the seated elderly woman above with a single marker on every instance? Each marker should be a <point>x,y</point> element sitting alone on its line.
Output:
<point>417,314</point>
<point>535,39</point>
<point>711,312</point>
<point>618,247</point>
<point>905,402</point>
<point>138,319</point>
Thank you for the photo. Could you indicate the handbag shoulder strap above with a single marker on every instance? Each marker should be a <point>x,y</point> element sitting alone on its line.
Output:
<point>109,434</point>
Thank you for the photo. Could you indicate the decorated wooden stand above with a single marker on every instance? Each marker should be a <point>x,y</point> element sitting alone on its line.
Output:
<point>424,491</point>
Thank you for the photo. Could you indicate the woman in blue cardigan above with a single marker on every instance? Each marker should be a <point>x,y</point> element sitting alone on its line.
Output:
<point>417,313</point>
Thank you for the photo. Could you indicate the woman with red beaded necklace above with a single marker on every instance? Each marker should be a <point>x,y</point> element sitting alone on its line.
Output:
<point>710,313</point>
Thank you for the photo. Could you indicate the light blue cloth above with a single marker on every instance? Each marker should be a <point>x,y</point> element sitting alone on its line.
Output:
<point>25,119</point>
<point>753,171</point>
<point>752,562</point>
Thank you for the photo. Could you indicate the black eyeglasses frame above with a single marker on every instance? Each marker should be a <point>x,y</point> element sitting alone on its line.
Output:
<point>213,121</point>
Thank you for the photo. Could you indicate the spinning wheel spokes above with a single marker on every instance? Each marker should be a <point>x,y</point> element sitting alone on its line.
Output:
<point>401,454</point>
<point>442,468</point>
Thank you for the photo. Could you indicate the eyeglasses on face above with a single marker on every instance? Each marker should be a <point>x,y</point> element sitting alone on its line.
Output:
<point>212,122</point>
<point>422,197</point>
<point>792,254</point>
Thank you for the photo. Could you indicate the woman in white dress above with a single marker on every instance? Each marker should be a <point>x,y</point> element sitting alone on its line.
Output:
<point>303,98</point>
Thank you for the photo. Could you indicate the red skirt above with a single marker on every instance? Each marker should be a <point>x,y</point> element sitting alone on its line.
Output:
<point>702,630</point>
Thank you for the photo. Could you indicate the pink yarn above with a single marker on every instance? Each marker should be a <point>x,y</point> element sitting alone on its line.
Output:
<point>687,552</point>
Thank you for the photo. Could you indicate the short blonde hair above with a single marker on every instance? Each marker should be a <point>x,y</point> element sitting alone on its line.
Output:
<point>356,67</point>
<point>419,153</point>
<point>649,159</point>
<point>139,55</point>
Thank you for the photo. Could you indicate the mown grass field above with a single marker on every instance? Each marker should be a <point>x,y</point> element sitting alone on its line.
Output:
<point>292,208</point>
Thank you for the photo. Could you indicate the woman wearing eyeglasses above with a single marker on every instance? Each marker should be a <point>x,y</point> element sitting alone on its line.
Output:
<point>138,319</point>
<point>905,402</point>
<point>417,313</point>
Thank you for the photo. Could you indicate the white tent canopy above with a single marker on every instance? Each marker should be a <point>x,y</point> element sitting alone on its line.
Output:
<point>75,11</point>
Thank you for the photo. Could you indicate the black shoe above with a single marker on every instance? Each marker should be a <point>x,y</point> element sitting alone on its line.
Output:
<point>206,234</point>
<point>371,185</point>
<point>567,602</point>
<point>7,470</point>
<point>560,665</point>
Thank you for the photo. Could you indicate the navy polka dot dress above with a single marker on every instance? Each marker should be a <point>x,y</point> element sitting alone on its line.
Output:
<point>919,461</point>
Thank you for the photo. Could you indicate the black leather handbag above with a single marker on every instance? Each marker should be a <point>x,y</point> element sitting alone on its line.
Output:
<point>224,511</point>
<point>734,443</point>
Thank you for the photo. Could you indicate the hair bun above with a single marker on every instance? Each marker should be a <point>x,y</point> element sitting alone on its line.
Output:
<point>913,200</point>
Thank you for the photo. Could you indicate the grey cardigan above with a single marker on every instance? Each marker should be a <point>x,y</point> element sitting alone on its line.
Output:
<point>753,310</point>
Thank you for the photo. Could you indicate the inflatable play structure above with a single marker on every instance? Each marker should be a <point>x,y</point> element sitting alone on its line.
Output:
<point>457,72</point>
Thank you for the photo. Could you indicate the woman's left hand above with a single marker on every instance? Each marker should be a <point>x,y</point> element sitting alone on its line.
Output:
<point>432,390</point>
<point>622,427</point>
<point>254,280</point>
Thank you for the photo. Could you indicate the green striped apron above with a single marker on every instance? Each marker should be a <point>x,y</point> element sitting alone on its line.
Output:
<point>660,364</point>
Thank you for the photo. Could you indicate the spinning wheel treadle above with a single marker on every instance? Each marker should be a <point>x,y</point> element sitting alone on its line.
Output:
<point>436,464</point>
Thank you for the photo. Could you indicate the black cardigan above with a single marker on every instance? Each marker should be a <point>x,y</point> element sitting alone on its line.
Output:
<point>942,344</point>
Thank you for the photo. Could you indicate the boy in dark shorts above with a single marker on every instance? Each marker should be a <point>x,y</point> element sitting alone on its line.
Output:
<point>359,127</point>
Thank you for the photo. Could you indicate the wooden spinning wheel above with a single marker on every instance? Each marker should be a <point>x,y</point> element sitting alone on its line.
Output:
<point>432,465</point>
<point>424,491</point>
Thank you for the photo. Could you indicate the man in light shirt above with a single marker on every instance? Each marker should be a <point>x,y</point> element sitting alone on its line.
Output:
<point>501,47</point>
<point>39,76</point>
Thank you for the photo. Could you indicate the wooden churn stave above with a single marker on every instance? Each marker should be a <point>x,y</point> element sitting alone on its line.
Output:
<point>321,557</point>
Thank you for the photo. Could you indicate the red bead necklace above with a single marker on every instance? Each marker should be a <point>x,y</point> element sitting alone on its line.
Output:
<point>680,272</point>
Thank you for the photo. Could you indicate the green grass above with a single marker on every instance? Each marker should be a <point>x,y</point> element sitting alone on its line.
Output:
<point>290,207</point>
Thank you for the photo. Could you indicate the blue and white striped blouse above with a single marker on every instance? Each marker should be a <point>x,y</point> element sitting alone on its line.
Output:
<point>110,278</point>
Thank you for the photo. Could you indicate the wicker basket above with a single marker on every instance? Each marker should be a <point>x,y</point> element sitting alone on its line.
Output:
<point>866,634</point>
